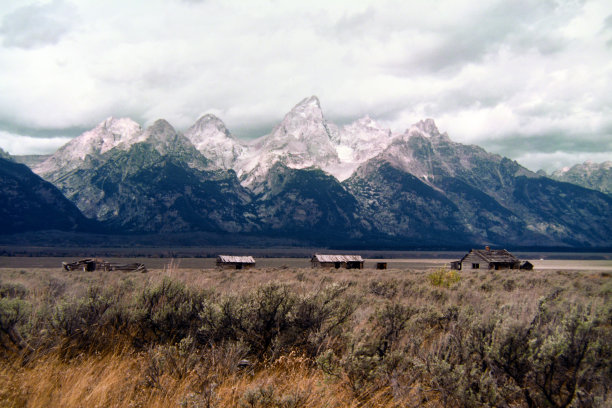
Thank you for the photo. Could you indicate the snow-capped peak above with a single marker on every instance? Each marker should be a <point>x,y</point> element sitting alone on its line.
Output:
<point>304,120</point>
<point>109,134</point>
<point>427,126</point>
<point>210,136</point>
<point>309,108</point>
<point>303,139</point>
<point>206,127</point>
<point>358,142</point>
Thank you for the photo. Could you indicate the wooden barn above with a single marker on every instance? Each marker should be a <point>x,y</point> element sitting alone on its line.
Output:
<point>487,259</point>
<point>235,262</point>
<point>337,261</point>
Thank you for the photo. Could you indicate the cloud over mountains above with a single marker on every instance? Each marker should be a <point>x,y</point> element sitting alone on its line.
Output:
<point>529,78</point>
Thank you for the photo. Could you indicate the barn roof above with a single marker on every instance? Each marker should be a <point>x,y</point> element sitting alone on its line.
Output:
<point>495,255</point>
<point>236,259</point>
<point>337,258</point>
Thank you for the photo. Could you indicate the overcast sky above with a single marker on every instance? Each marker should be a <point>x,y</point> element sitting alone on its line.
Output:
<point>528,79</point>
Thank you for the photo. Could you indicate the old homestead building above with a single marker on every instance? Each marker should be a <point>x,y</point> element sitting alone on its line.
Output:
<point>337,261</point>
<point>487,259</point>
<point>235,262</point>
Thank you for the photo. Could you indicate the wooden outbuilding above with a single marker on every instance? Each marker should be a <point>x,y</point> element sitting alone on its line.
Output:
<point>381,265</point>
<point>235,262</point>
<point>95,264</point>
<point>487,259</point>
<point>337,261</point>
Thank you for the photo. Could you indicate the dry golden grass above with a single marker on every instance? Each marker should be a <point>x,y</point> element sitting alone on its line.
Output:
<point>118,380</point>
<point>122,374</point>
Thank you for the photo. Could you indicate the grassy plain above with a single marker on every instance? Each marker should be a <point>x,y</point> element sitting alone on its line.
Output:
<point>176,336</point>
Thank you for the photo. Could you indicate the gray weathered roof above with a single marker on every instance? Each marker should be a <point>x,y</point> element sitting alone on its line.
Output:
<point>337,258</point>
<point>495,255</point>
<point>235,259</point>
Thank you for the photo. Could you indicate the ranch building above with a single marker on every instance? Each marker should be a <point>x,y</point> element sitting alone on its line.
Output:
<point>487,259</point>
<point>235,262</point>
<point>337,261</point>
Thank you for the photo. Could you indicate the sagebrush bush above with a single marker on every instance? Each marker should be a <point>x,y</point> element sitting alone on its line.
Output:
<point>407,340</point>
<point>168,311</point>
<point>13,315</point>
<point>13,290</point>
<point>444,277</point>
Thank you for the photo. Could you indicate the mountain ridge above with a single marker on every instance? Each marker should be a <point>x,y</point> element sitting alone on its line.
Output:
<point>359,181</point>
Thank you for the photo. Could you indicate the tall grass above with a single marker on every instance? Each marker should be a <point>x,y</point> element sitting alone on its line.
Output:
<point>305,338</point>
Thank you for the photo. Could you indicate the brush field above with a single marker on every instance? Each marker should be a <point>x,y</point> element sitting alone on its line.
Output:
<point>285,336</point>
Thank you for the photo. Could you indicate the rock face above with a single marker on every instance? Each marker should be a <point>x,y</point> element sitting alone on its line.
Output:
<point>596,176</point>
<point>301,140</point>
<point>111,133</point>
<point>480,196</point>
<point>307,203</point>
<point>310,180</point>
<point>158,184</point>
<point>28,203</point>
<point>210,136</point>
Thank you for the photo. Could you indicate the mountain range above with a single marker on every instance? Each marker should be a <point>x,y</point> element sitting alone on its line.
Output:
<point>597,176</point>
<point>316,182</point>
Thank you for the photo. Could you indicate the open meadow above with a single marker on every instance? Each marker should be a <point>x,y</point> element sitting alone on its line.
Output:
<point>284,335</point>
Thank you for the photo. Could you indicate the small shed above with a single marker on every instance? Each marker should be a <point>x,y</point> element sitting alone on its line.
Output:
<point>87,265</point>
<point>487,259</point>
<point>337,261</point>
<point>235,262</point>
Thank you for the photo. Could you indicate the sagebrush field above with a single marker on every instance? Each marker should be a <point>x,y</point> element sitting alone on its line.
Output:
<point>287,337</point>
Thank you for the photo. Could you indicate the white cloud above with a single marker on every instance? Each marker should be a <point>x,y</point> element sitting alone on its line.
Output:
<point>37,24</point>
<point>19,144</point>
<point>485,72</point>
<point>557,160</point>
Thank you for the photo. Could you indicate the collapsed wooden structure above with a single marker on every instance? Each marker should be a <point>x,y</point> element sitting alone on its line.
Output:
<point>95,264</point>
<point>337,261</point>
<point>490,259</point>
<point>235,262</point>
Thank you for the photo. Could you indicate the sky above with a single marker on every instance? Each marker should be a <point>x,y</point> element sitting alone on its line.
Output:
<point>528,79</point>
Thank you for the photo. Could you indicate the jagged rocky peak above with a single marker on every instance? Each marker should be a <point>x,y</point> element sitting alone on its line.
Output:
<point>210,136</point>
<point>303,139</point>
<point>119,127</point>
<point>160,130</point>
<point>364,129</point>
<point>308,108</point>
<point>110,133</point>
<point>427,126</point>
<point>163,137</point>
<point>207,126</point>
<point>597,176</point>
<point>359,142</point>
<point>305,120</point>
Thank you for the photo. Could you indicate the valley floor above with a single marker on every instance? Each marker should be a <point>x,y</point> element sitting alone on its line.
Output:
<point>288,336</point>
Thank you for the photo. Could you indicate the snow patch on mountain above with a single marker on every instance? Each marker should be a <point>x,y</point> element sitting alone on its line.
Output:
<point>111,133</point>
<point>301,140</point>
<point>210,136</point>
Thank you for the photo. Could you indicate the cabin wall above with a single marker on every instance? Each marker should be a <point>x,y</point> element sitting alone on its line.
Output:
<point>234,265</point>
<point>473,262</point>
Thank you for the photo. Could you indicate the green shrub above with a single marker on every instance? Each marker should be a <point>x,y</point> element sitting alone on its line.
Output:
<point>386,289</point>
<point>443,277</point>
<point>13,314</point>
<point>168,311</point>
<point>13,290</point>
